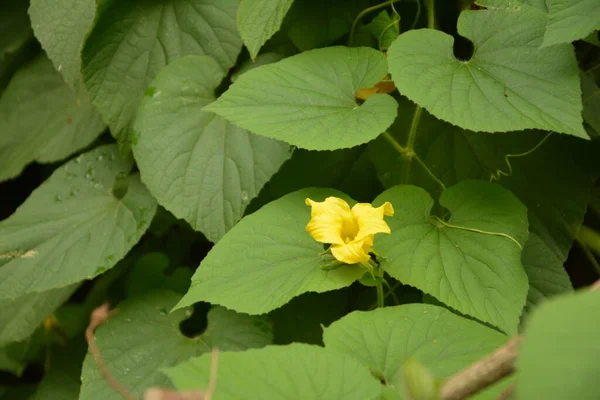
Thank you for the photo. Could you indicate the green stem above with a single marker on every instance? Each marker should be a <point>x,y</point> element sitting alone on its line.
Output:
<point>412,154</point>
<point>365,12</point>
<point>412,133</point>
<point>430,13</point>
<point>380,302</point>
<point>466,228</point>
<point>590,240</point>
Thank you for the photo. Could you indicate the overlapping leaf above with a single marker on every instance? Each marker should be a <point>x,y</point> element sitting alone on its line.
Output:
<point>198,165</point>
<point>472,261</point>
<point>73,227</point>
<point>133,40</point>
<point>293,372</point>
<point>384,339</point>
<point>143,338</point>
<point>569,20</point>
<point>61,27</point>
<point>258,20</point>
<point>43,119</point>
<point>267,259</point>
<point>308,100</point>
<point>508,84</point>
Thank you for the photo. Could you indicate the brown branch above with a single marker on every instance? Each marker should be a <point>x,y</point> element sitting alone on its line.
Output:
<point>482,373</point>
<point>99,316</point>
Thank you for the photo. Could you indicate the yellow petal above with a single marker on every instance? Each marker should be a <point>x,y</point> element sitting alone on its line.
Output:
<point>354,252</point>
<point>370,219</point>
<point>328,219</point>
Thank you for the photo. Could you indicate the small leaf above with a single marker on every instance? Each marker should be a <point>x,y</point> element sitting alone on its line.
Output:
<point>308,100</point>
<point>143,338</point>
<point>558,356</point>
<point>120,59</point>
<point>383,339</point>
<point>571,20</point>
<point>508,84</point>
<point>43,119</point>
<point>459,262</point>
<point>71,227</point>
<point>293,372</point>
<point>384,28</point>
<point>267,259</point>
<point>61,27</point>
<point>198,165</point>
<point>258,20</point>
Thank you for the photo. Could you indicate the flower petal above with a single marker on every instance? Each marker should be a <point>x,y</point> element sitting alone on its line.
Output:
<point>370,219</point>
<point>328,219</point>
<point>354,252</point>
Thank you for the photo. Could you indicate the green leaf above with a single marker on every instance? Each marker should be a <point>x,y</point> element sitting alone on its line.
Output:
<point>552,176</point>
<point>267,259</point>
<point>308,100</point>
<point>43,119</point>
<point>62,380</point>
<point>19,318</point>
<point>61,27</point>
<point>508,84</point>
<point>558,356</point>
<point>547,276</point>
<point>121,58</point>
<point>297,371</point>
<point>383,339</point>
<point>384,28</point>
<point>591,102</point>
<point>143,338</point>
<point>459,262</point>
<point>72,227</point>
<point>198,165</point>
<point>258,20</point>
<point>315,23</point>
<point>570,20</point>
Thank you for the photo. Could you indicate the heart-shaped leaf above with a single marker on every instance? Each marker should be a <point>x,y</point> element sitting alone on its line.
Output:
<point>293,372</point>
<point>198,165</point>
<point>383,339</point>
<point>508,84</point>
<point>472,261</point>
<point>120,59</point>
<point>309,100</point>
<point>143,338</point>
<point>73,227</point>
<point>267,259</point>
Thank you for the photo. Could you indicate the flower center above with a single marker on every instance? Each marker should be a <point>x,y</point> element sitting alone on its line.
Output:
<point>349,229</point>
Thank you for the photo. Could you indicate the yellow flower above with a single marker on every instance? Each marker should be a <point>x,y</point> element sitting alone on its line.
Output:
<point>349,231</point>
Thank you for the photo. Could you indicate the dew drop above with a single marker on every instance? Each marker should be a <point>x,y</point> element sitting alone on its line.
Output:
<point>100,157</point>
<point>245,196</point>
<point>78,159</point>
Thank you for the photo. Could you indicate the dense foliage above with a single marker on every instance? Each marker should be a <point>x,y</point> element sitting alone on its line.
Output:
<point>350,199</point>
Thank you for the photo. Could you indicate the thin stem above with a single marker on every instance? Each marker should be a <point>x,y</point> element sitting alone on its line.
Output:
<point>430,13</point>
<point>592,68</point>
<point>380,301</point>
<point>424,166</point>
<point>365,12</point>
<point>589,239</point>
<point>465,228</point>
<point>390,292</point>
<point>412,133</point>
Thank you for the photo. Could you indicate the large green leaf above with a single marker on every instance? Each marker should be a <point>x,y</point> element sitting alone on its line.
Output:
<point>19,318</point>
<point>508,84</point>
<point>268,258</point>
<point>258,20</point>
<point>143,338</point>
<point>43,119</point>
<point>308,100</point>
<point>472,262</point>
<point>559,354</point>
<point>569,20</point>
<point>554,180</point>
<point>198,165</point>
<point>383,339</point>
<point>73,227</point>
<point>133,40</point>
<point>297,371</point>
<point>547,276</point>
<point>61,27</point>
